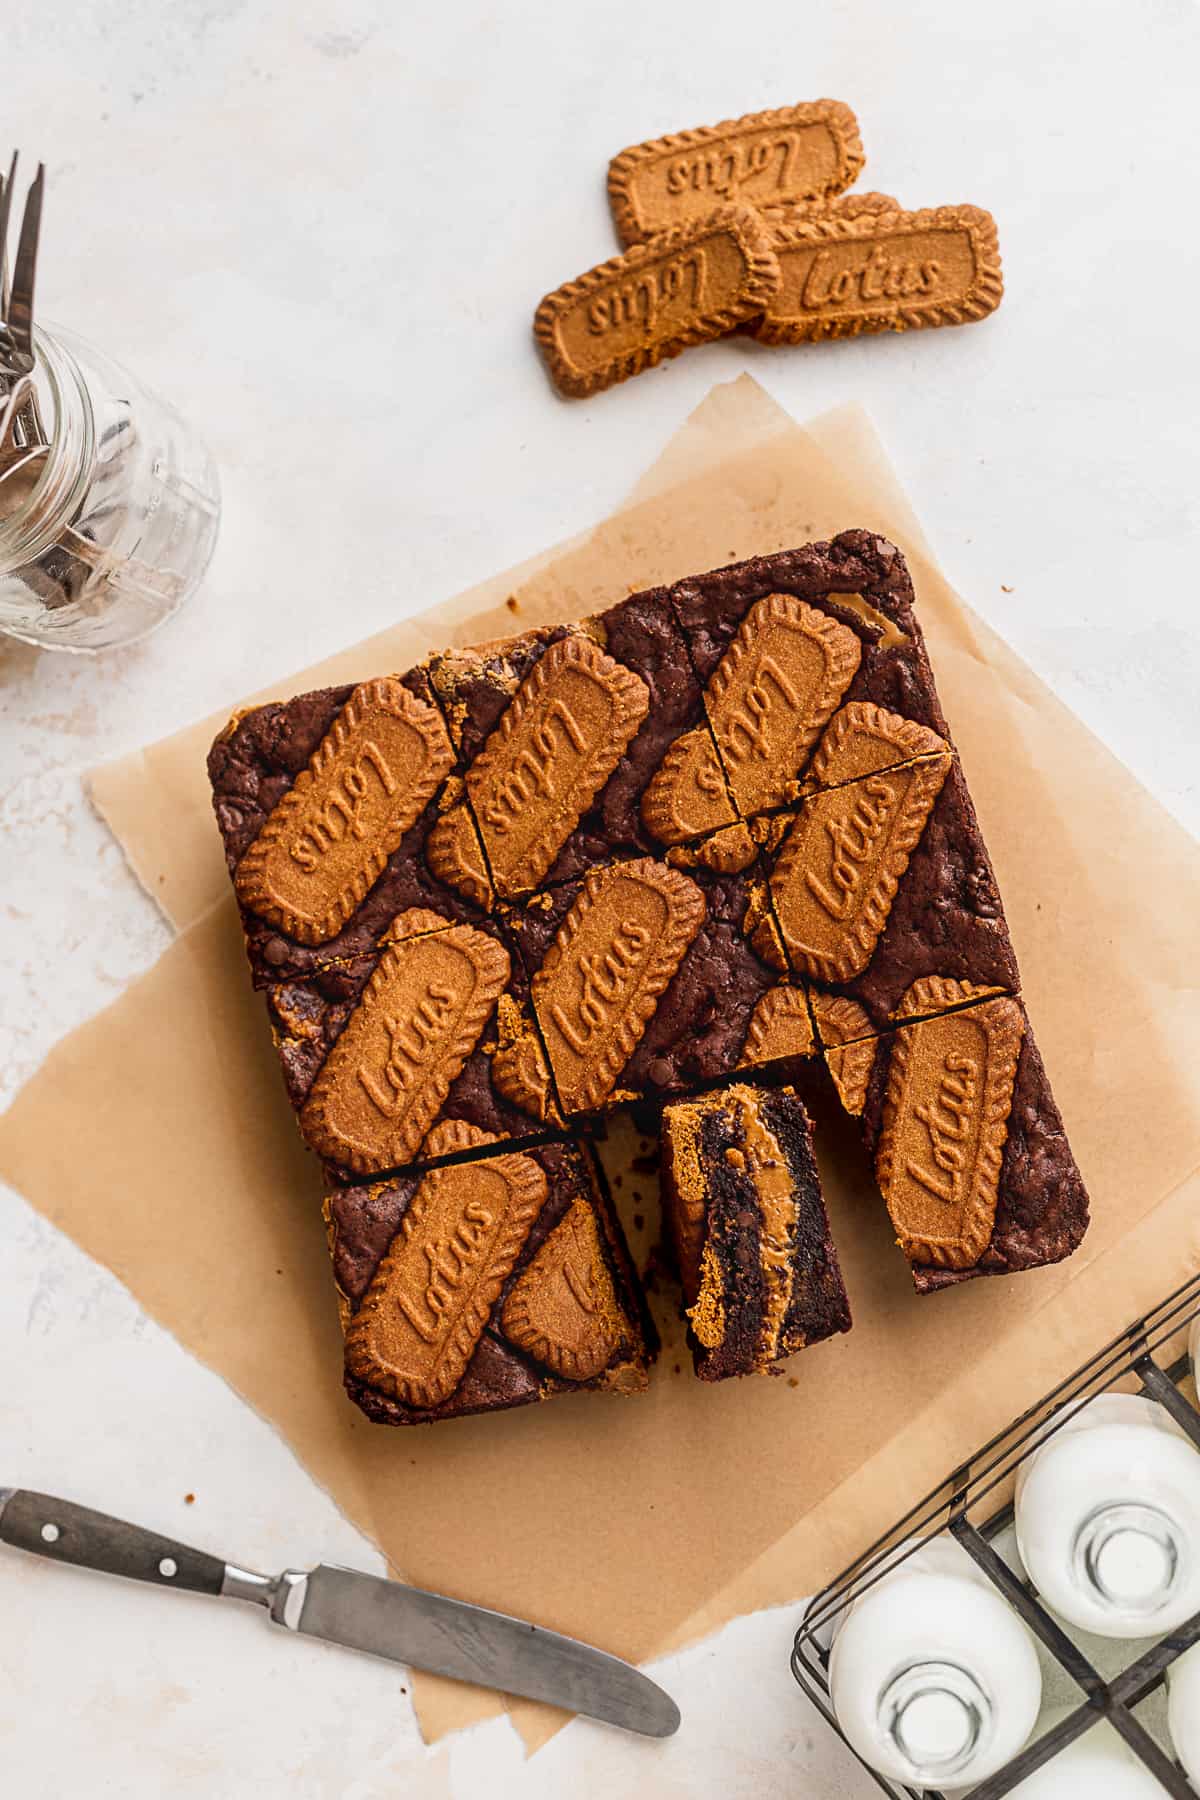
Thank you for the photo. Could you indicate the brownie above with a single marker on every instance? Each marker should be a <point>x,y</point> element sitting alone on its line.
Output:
<point>780,642</point>
<point>643,979</point>
<point>553,1304</point>
<point>968,1144</point>
<point>254,766</point>
<point>882,882</point>
<point>709,834</point>
<point>380,1050</point>
<point>743,1203</point>
<point>560,731</point>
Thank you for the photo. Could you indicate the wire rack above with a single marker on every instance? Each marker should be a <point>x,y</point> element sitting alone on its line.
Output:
<point>1149,1357</point>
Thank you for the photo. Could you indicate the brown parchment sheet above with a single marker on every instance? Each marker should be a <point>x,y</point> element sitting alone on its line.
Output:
<point>642,1524</point>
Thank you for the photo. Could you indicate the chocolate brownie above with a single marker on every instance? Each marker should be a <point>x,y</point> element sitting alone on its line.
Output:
<point>743,1202</point>
<point>881,882</point>
<point>643,981</point>
<point>561,730</point>
<point>781,642</point>
<point>716,829</point>
<point>968,1144</point>
<point>480,1286</point>
<point>322,837</point>
<point>379,1051</point>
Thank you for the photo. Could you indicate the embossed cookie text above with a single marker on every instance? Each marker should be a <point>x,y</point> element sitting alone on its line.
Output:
<point>562,736</point>
<point>616,950</point>
<point>945,1124</point>
<point>840,867</point>
<point>427,1306</point>
<point>801,152</point>
<point>327,840</point>
<point>691,283</point>
<point>419,1018</point>
<point>883,272</point>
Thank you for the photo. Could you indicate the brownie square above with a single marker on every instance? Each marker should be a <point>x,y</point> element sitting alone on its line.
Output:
<point>561,731</point>
<point>644,980</point>
<point>781,642</point>
<point>325,804</point>
<point>379,1052</point>
<point>743,1203</point>
<point>880,883</point>
<point>483,1285</point>
<point>968,1144</point>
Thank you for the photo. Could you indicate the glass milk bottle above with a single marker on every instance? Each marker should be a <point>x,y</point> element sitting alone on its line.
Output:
<point>1097,1766</point>
<point>1108,1520</point>
<point>935,1680</point>
<point>1183,1711</point>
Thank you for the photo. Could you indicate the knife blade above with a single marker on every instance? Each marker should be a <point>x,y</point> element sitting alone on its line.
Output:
<point>359,1612</point>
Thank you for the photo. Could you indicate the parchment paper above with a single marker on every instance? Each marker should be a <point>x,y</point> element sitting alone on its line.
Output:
<point>641,1524</point>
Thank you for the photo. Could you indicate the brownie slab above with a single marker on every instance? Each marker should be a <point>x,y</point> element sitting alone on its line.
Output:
<point>479,1286</point>
<point>968,1144</point>
<point>881,882</point>
<point>378,1051</point>
<point>643,982</point>
<point>781,642</point>
<point>560,731</point>
<point>325,804</point>
<point>743,1203</point>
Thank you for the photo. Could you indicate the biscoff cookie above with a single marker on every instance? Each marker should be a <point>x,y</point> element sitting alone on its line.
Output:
<point>885,271</point>
<point>792,153</point>
<point>689,284</point>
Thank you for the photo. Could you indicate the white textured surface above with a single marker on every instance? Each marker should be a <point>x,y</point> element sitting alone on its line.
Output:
<point>322,230</point>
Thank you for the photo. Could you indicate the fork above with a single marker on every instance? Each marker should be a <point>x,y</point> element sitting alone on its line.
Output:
<point>22,434</point>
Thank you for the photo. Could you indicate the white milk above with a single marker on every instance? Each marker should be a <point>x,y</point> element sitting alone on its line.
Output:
<point>1183,1710</point>
<point>1108,1520</point>
<point>935,1680</point>
<point>1097,1766</point>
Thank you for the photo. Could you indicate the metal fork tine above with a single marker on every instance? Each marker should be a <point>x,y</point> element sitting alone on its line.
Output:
<point>6,193</point>
<point>20,315</point>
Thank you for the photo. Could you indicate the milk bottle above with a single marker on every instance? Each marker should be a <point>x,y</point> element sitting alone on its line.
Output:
<point>1108,1519</point>
<point>1183,1710</point>
<point>1097,1766</point>
<point>934,1679</point>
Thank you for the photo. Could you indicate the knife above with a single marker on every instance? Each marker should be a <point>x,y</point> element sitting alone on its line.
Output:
<point>360,1612</point>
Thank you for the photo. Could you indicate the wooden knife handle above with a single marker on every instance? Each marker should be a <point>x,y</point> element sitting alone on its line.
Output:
<point>67,1533</point>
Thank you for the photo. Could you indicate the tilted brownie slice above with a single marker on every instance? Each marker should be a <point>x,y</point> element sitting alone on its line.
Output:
<point>477,1286</point>
<point>643,982</point>
<point>379,1051</point>
<point>780,643</point>
<point>325,805</point>
<point>743,1202</point>
<point>968,1144</point>
<point>560,731</point>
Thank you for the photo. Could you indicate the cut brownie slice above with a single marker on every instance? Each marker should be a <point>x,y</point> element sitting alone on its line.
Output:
<point>743,1201</point>
<point>325,805</point>
<point>780,642</point>
<point>879,883</point>
<point>380,1050</point>
<point>482,1285</point>
<point>968,1144</point>
<point>643,982</point>
<point>560,731</point>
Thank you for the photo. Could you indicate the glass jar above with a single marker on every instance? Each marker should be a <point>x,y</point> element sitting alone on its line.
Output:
<point>106,534</point>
